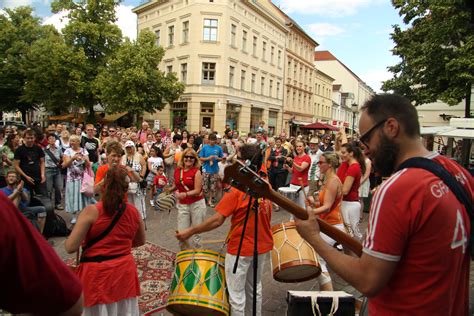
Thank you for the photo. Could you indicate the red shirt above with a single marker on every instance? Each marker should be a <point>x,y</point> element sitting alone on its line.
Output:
<point>156,181</point>
<point>300,174</point>
<point>34,279</point>
<point>416,221</point>
<point>188,181</point>
<point>346,170</point>
<point>117,279</point>
<point>232,203</point>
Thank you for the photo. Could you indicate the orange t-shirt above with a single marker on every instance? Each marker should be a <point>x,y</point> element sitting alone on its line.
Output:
<point>333,216</point>
<point>232,204</point>
<point>100,174</point>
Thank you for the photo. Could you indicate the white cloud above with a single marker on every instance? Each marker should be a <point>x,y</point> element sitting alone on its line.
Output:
<point>327,8</point>
<point>126,21</point>
<point>324,29</point>
<point>15,3</point>
<point>374,78</point>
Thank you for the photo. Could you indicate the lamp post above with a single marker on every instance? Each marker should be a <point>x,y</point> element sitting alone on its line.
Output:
<point>355,110</point>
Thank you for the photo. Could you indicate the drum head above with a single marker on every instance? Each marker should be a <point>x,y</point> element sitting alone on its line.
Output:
<point>298,273</point>
<point>193,310</point>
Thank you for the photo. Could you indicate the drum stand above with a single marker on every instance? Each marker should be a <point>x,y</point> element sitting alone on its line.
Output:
<point>255,249</point>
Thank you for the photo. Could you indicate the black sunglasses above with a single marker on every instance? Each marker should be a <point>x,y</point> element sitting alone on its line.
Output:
<point>189,157</point>
<point>365,139</point>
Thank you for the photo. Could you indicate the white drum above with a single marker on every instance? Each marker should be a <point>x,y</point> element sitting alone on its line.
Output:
<point>290,193</point>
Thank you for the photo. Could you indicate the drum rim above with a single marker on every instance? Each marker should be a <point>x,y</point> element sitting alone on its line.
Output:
<point>297,263</point>
<point>287,225</point>
<point>288,190</point>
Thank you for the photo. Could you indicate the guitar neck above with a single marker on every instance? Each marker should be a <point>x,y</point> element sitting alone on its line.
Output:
<point>325,228</point>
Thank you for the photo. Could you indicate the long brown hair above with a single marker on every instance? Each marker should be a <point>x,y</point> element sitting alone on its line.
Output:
<point>116,185</point>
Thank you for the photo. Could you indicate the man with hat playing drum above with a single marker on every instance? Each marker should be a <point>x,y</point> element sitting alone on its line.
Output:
<point>234,203</point>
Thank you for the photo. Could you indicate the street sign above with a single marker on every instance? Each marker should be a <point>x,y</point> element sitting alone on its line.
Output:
<point>156,124</point>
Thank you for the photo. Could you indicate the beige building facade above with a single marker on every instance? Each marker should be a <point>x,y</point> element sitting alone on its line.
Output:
<point>229,54</point>
<point>352,92</point>
<point>323,87</point>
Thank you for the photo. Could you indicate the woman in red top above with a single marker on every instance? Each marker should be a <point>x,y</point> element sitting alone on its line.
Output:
<point>107,270</point>
<point>350,172</point>
<point>299,171</point>
<point>328,208</point>
<point>191,204</point>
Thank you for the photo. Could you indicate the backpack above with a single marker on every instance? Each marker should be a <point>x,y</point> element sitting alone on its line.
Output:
<point>55,226</point>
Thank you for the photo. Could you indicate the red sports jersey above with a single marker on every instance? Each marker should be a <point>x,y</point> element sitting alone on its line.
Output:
<point>346,170</point>
<point>417,221</point>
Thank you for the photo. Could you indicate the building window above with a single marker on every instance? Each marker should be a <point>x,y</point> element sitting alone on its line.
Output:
<point>278,90</point>
<point>169,69</point>
<point>279,58</point>
<point>264,51</point>
<point>231,76</point>
<point>242,79</point>
<point>262,86</point>
<point>244,40</point>
<point>272,54</point>
<point>252,87</point>
<point>171,35</point>
<point>158,37</point>
<point>184,73</point>
<point>254,49</point>
<point>185,31</point>
<point>270,88</point>
<point>208,73</point>
<point>210,30</point>
<point>233,34</point>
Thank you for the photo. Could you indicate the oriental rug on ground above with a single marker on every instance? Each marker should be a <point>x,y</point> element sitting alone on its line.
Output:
<point>155,272</point>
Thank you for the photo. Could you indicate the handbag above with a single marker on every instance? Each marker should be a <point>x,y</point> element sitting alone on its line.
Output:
<point>87,187</point>
<point>80,258</point>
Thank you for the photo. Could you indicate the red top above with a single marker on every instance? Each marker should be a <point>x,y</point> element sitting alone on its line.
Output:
<point>35,280</point>
<point>300,174</point>
<point>232,203</point>
<point>186,184</point>
<point>117,279</point>
<point>160,181</point>
<point>416,221</point>
<point>354,171</point>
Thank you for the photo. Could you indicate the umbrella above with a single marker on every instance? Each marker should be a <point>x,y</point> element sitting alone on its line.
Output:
<point>318,125</point>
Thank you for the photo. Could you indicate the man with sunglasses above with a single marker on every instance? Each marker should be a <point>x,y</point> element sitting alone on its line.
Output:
<point>415,257</point>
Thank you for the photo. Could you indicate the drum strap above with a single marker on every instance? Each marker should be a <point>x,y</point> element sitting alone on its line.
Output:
<point>334,305</point>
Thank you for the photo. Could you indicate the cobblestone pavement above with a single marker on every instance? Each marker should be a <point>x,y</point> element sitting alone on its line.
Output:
<point>161,228</point>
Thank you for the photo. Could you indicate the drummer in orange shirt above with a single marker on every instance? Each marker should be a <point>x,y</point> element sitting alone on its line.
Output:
<point>233,203</point>
<point>328,207</point>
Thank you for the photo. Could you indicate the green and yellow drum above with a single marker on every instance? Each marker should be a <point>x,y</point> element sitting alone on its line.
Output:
<point>198,286</point>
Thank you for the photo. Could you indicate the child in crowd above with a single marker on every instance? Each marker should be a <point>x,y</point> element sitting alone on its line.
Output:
<point>159,182</point>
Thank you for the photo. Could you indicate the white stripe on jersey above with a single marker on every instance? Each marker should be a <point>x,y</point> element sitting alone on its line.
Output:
<point>374,211</point>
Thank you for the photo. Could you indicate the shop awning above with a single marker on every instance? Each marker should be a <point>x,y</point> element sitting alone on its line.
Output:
<point>318,125</point>
<point>434,130</point>
<point>297,122</point>
<point>465,133</point>
<point>62,117</point>
<point>113,117</point>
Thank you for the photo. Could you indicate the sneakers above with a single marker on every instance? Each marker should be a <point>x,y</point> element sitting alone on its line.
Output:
<point>73,220</point>
<point>152,203</point>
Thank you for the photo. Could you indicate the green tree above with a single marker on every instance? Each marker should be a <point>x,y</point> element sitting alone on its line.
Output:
<point>132,81</point>
<point>18,31</point>
<point>54,73</point>
<point>436,51</point>
<point>91,31</point>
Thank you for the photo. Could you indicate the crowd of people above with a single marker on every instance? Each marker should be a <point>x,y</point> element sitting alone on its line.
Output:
<point>328,174</point>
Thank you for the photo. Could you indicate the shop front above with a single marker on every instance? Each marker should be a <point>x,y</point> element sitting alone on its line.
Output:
<point>256,116</point>
<point>179,115</point>
<point>232,115</point>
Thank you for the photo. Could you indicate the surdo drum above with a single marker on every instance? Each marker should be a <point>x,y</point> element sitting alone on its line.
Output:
<point>293,259</point>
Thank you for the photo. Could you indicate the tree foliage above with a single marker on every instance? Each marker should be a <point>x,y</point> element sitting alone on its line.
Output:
<point>132,81</point>
<point>18,31</point>
<point>436,51</point>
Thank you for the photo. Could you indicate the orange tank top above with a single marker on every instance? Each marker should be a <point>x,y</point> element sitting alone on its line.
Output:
<point>333,216</point>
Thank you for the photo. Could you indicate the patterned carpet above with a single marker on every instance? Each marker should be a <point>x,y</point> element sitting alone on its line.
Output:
<point>155,272</point>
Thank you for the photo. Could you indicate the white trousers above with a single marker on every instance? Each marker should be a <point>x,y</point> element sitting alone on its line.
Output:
<point>191,215</point>
<point>350,211</point>
<point>330,242</point>
<point>240,284</point>
<point>300,199</point>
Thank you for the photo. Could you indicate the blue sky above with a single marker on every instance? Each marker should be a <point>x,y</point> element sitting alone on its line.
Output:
<point>357,32</point>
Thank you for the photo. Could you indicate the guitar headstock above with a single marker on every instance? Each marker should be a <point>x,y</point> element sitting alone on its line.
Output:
<point>241,177</point>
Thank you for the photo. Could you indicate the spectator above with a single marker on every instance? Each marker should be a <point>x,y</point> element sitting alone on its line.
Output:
<point>54,179</point>
<point>136,162</point>
<point>76,160</point>
<point>153,162</point>
<point>171,156</point>
<point>91,144</point>
<point>277,173</point>
<point>159,183</point>
<point>142,134</point>
<point>8,154</point>
<point>108,270</point>
<point>209,156</point>
<point>29,163</point>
